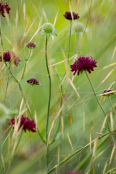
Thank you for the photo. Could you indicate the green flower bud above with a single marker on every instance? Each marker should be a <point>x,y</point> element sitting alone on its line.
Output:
<point>48,29</point>
<point>79,27</point>
<point>4,113</point>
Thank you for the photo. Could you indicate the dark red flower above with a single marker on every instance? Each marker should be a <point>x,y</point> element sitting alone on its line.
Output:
<point>107,92</point>
<point>25,123</point>
<point>70,16</point>
<point>10,56</point>
<point>4,8</point>
<point>83,63</point>
<point>31,45</point>
<point>33,81</point>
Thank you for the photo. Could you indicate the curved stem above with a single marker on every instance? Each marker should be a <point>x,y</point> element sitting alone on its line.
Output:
<point>26,61</point>
<point>100,106</point>
<point>49,99</point>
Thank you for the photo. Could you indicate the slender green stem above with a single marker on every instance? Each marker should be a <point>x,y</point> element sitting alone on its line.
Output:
<point>79,150</point>
<point>111,104</point>
<point>24,100</point>
<point>49,99</point>
<point>26,61</point>
<point>24,70</point>
<point>100,106</point>
<point>69,41</point>
<point>19,87</point>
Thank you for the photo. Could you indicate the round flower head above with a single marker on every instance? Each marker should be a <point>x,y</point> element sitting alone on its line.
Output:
<point>25,123</point>
<point>4,113</point>
<point>107,92</point>
<point>4,8</point>
<point>83,63</point>
<point>33,81</point>
<point>10,56</point>
<point>31,45</point>
<point>71,16</point>
<point>48,29</point>
<point>78,27</point>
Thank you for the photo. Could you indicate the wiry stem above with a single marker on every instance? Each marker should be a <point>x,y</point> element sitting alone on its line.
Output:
<point>111,104</point>
<point>24,100</point>
<point>49,100</point>
<point>19,87</point>
<point>26,61</point>
<point>100,106</point>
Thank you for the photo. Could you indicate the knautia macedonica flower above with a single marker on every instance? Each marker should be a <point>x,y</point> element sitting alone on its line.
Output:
<point>4,8</point>
<point>4,113</point>
<point>31,45</point>
<point>48,29</point>
<point>71,16</point>
<point>10,56</point>
<point>83,63</point>
<point>24,123</point>
<point>107,92</point>
<point>33,81</point>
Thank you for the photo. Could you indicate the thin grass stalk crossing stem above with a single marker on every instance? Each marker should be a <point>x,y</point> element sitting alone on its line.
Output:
<point>49,99</point>
<point>100,106</point>
<point>19,87</point>
<point>7,166</point>
<point>69,41</point>
<point>111,104</point>
<point>79,150</point>
<point>24,100</point>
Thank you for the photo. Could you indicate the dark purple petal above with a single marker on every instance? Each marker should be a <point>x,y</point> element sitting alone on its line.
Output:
<point>25,124</point>
<point>70,16</point>
<point>83,63</point>
<point>106,91</point>
<point>33,81</point>
<point>31,45</point>
<point>4,8</point>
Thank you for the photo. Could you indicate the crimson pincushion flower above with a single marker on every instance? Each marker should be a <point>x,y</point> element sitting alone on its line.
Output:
<point>83,63</point>
<point>10,56</point>
<point>31,45</point>
<point>4,8</point>
<point>33,81</point>
<point>70,16</point>
<point>25,123</point>
<point>107,92</point>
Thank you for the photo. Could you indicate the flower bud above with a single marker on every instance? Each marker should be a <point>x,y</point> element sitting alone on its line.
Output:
<point>48,29</point>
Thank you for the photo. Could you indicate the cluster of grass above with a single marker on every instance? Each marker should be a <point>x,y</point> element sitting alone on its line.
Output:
<point>82,141</point>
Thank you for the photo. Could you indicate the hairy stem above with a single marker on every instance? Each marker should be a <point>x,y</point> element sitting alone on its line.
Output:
<point>49,100</point>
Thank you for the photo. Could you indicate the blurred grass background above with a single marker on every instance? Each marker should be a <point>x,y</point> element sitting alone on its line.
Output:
<point>99,17</point>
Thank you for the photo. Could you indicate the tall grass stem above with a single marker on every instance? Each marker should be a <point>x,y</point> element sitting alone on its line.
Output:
<point>49,99</point>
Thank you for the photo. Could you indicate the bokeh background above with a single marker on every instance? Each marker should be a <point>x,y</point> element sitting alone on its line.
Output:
<point>82,117</point>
